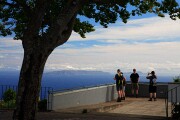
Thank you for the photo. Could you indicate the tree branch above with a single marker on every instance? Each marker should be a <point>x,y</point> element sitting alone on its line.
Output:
<point>35,21</point>
<point>25,7</point>
<point>62,26</point>
<point>67,33</point>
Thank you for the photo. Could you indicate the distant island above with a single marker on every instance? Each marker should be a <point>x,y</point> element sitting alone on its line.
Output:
<point>77,72</point>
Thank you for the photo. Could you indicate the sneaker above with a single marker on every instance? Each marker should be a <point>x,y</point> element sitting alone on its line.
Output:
<point>137,96</point>
<point>155,99</point>
<point>118,99</point>
<point>150,99</point>
<point>123,98</point>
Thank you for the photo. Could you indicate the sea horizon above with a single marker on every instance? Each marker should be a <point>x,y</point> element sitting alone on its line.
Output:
<point>75,78</point>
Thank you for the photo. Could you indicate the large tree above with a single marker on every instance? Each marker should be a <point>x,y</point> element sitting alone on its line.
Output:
<point>43,25</point>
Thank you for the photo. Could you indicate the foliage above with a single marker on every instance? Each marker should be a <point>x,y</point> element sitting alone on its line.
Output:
<point>176,112</point>
<point>176,79</point>
<point>15,15</point>
<point>42,105</point>
<point>9,95</point>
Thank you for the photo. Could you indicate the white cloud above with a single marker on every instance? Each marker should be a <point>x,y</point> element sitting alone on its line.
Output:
<point>1,66</point>
<point>154,28</point>
<point>1,56</point>
<point>10,46</point>
<point>162,57</point>
<point>160,54</point>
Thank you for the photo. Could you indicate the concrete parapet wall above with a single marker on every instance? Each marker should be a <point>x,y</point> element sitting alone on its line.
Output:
<point>144,90</point>
<point>81,97</point>
<point>95,95</point>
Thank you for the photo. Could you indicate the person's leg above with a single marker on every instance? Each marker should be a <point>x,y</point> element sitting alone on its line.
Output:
<point>124,93</point>
<point>136,93</point>
<point>150,93</point>
<point>150,96</point>
<point>137,90</point>
<point>118,92</point>
<point>132,89</point>
<point>154,92</point>
<point>119,96</point>
<point>154,96</point>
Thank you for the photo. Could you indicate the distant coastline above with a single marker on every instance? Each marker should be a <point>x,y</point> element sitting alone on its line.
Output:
<point>74,78</point>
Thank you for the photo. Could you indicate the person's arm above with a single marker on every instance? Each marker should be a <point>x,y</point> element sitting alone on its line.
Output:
<point>124,80</point>
<point>131,78</point>
<point>138,78</point>
<point>114,77</point>
<point>148,77</point>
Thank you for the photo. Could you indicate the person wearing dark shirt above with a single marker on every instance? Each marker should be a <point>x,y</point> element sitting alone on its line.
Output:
<point>152,85</point>
<point>134,81</point>
<point>119,84</point>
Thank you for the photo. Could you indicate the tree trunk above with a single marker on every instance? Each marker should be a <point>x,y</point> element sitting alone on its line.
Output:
<point>36,51</point>
<point>30,83</point>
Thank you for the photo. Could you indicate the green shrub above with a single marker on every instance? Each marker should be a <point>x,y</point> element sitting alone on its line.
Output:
<point>42,105</point>
<point>9,104</point>
<point>176,79</point>
<point>9,95</point>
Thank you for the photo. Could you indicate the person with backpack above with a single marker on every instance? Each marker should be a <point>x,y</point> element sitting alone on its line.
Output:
<point>119,84</point>
<point>134,82</point>
<point>152,85</point>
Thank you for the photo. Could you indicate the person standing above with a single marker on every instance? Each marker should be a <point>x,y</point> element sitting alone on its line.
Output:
<point>152,85</point>
<point>134,82</point>
<point>119,84</point>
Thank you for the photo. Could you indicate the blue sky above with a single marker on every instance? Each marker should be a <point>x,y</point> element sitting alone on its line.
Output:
<point>147,43</point>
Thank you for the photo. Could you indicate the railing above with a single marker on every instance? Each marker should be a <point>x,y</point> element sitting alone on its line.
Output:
<point>175,103</point>
<point>43,95</point>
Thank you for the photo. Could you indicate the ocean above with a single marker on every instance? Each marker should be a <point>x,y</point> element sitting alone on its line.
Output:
<point>62,80</point>
<point>67,80</point>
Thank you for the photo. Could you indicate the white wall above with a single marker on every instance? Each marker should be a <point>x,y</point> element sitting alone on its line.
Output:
<point>86,96</point>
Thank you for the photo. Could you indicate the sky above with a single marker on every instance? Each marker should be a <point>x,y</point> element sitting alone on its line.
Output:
<point>149,43</point>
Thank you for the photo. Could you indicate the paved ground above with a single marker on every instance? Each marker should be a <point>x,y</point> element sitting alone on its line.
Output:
<point>131,108</point>
<point>139,106</point>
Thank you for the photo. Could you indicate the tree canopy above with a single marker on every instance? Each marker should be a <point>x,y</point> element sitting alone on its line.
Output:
<point>15,14</point>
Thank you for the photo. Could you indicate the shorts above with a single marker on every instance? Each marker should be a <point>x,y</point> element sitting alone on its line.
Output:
<point>119,87</point>
<point>152,89</point>
<point>135,86</point>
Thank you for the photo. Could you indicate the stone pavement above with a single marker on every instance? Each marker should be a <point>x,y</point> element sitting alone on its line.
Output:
<point>141,106</point>
<point>134,106</point>
<point>131,108</point>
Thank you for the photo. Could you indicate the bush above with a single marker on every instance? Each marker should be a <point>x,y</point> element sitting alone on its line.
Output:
<point>9,104</point>
<point>42,105</point>
<point>176,79</point>
<point>9,95</point>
